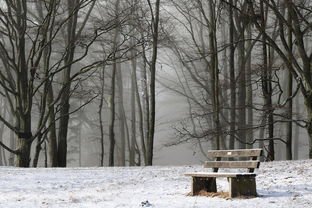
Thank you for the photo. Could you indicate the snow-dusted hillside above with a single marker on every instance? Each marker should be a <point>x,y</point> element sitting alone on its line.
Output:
<point>279,184</point>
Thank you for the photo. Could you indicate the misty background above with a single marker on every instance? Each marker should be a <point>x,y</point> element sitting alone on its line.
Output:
<point>79,80</point>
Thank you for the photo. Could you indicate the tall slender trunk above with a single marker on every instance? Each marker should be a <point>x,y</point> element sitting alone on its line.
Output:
<point>145,101</point>
<point>112,111</point>
<point>296,141</point>
<point>262,129</point>
<point>249,131</point>
<point>111,124</point>
<point>133,110</point>
<point>224,91</point>
<point>79,135</point>
<point>140,119</point>
<point>47,101</point>
<point>51,138</point>
<point>122,116</point>
<point>37,151</point>
<point>24,102</point>
<point>3,113</point>
<point>65,97</point>
<point>45,153</point>
<point>241,95</point>
<point>102,75</point>
<point>215,75</point>
<point>12,142</point>
<point>232,78</point>
<point>151,131</point>
<point>289,128</point>
<point>267,90</point>
<point>241,101</point>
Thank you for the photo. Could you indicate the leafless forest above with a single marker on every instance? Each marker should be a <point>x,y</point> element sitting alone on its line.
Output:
<point>89,82</point>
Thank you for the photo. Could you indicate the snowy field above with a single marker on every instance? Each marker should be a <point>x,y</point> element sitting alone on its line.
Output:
<point>279,184</point>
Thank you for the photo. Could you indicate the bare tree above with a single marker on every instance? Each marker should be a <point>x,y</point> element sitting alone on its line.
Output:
<point>151,128</point>
<point>300,28</point>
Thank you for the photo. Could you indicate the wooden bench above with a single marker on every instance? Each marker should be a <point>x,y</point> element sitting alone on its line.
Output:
<point>240,184</point>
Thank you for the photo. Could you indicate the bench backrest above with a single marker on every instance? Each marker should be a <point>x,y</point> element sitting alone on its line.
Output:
<point>251,154</point>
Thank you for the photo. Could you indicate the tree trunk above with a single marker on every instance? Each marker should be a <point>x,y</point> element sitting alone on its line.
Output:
<point>241,95</point>
<point>122,116</point>
<point>296,141</point>
<point>145,104</point>
<point>266,78</point>
<point>232,79</point>
<point>79,135</point>
<point>224,92</point>
<point>249,131</point>
<point>214,75</point>
<point>24,141</point>
<point>289,127</point>
<point>23,157</point>
<point>64,110</point>
<point>12,143</point>
<point>111,124</point>
<point>141,120</point>
<point>133,110</point>
<point>150,139</point>
<point>102,76</point>
<point>45,152</point>
<point>24,103</point>
<point>51,138</point>
<point>308,104</point>
<point>3,113</point>
<point>37,151</point>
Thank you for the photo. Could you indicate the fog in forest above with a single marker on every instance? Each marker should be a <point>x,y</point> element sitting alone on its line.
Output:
<point>148,82</point>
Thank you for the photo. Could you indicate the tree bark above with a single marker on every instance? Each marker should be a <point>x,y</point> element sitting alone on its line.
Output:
<point>111,124</point>
<point>267,90</point>
<point>24,104</point>
<point>215,75</point>
<point>232,79</point>
<point>151,131</point>
<point>37,151</point>
<point>289,128</point>
<point>122,117</point>
<point>133,110</point>
<point>102,76</point>
<point>64,110</point>
<point>241,94</point>
<point>51,138</point>
<point>296,141</point>
<point>249,96</point>
<point>3,113</point>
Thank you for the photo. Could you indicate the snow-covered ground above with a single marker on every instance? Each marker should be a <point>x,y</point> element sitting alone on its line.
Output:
<point>279,184</point>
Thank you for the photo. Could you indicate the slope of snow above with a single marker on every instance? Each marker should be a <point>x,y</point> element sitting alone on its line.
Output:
<point>279,184</point>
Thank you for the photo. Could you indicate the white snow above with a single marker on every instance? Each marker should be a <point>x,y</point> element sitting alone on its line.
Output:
<point>279,184</point>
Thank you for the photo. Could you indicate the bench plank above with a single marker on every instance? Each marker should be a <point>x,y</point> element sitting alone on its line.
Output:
<point>232,164</point>
<point>235,153</point>
<point>220,175</point>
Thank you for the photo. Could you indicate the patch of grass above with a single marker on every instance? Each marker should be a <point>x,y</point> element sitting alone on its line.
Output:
<point>224,195</point>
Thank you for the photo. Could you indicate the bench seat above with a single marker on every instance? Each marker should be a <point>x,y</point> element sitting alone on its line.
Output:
<point>220,175</point>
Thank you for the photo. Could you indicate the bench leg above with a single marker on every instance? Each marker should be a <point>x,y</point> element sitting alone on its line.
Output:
<point>203,183</point>
<point>242,186</point>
